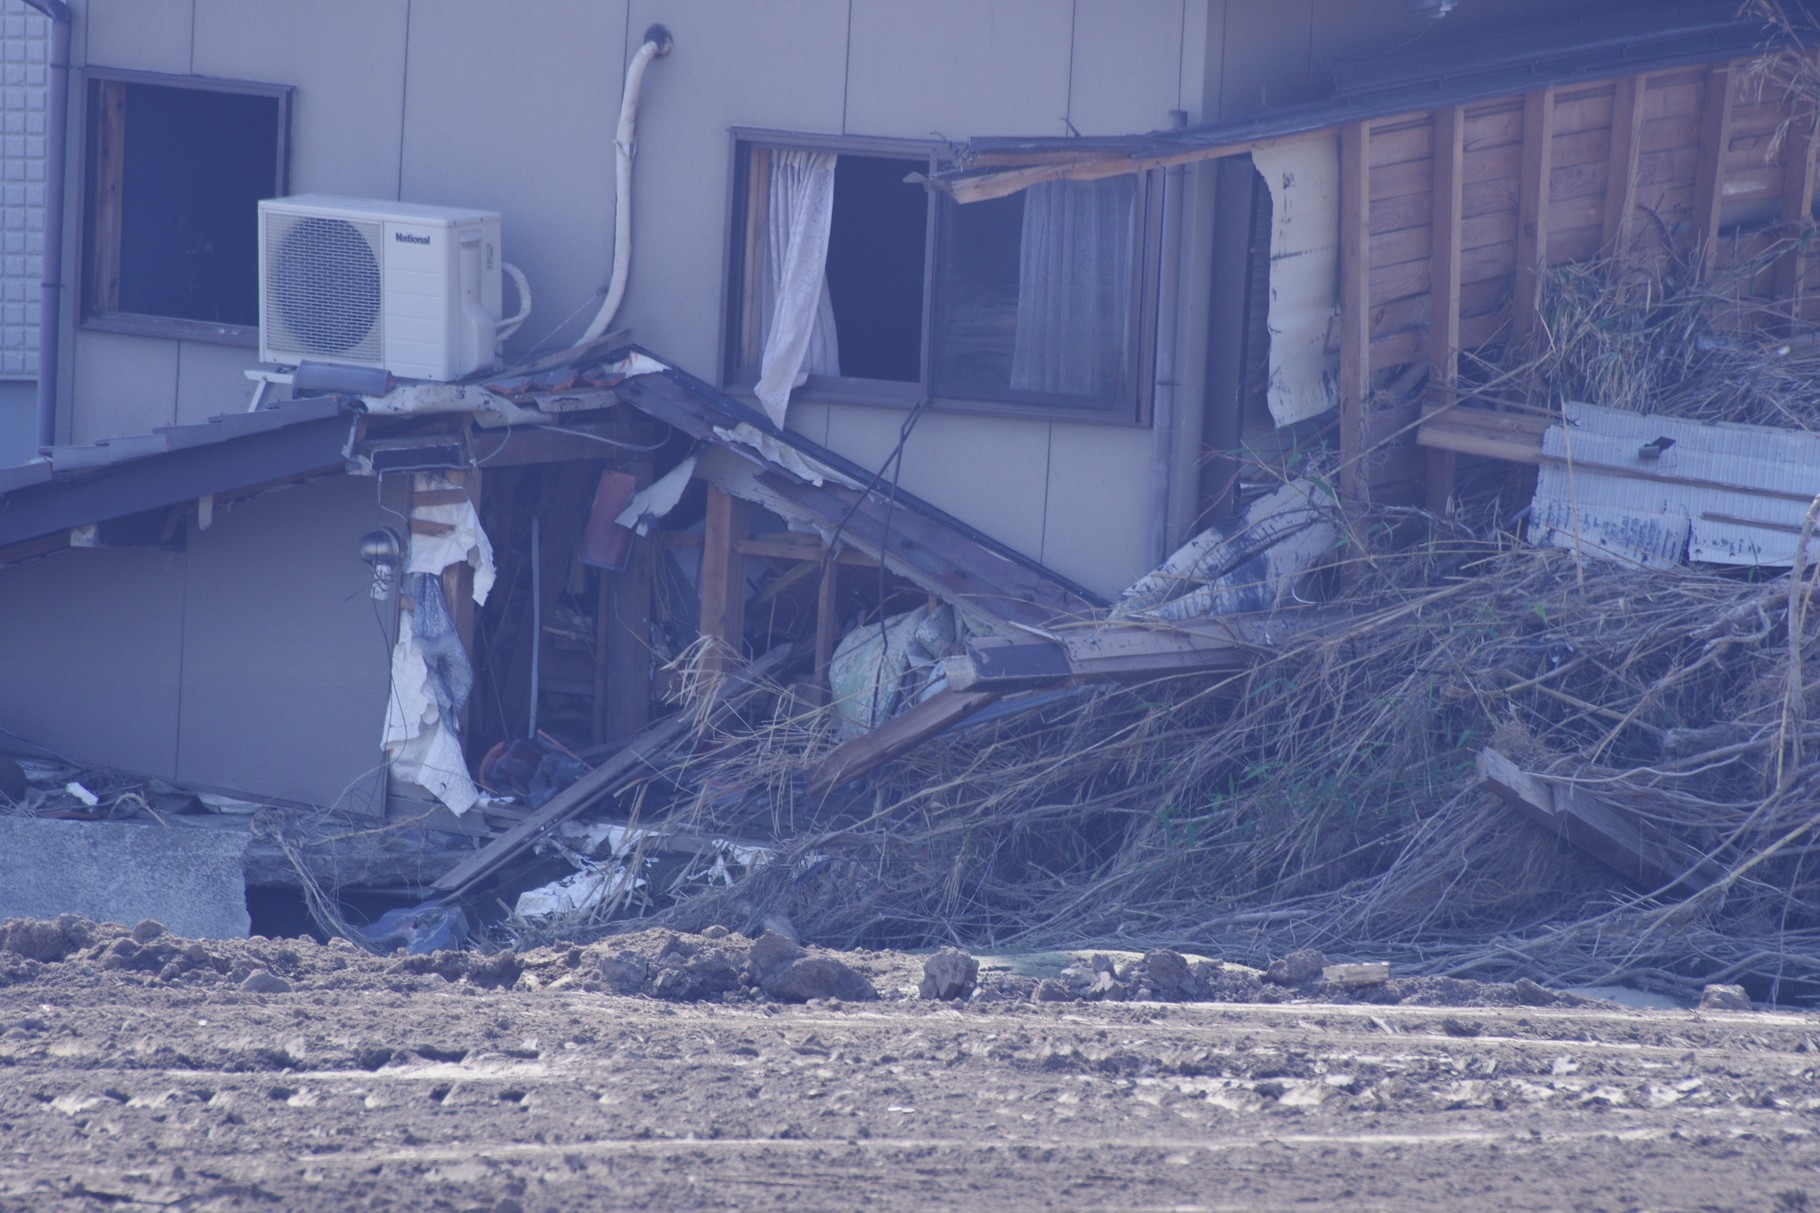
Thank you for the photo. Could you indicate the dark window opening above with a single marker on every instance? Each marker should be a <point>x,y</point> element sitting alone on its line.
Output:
<point>175,176</point>
<point>875,267</point>
<point>1034,303</point>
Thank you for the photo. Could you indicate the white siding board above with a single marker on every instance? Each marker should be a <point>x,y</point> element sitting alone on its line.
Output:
<point>346,60</point>
<point>143,35</point>
<point>211,380</point>
<point>534,143</point>
<point>958,68</point>
<point>1097,508</point>
<point>1127,63</point>
<point>780,65</point>
<point>1723,493</point>
<point>122,385</point>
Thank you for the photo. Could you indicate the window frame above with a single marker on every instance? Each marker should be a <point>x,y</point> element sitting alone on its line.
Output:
<point>1131,408</point>
<point>97,307</point>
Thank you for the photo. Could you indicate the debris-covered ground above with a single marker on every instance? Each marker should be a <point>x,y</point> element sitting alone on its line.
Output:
<point>659,1070</point>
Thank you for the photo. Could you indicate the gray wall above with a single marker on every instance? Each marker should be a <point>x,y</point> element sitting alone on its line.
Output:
<point>512,106</point>
<point>251,661</point>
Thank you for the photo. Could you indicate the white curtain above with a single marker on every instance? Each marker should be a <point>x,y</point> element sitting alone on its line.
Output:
<point>799,316</point>
<point>1074,287</point>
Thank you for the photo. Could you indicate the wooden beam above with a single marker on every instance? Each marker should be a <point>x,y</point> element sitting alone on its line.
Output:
<point>723,574</point>
<point>1627,844</point>
<point>1492,433</point>
<point>1621,164</point>
<point>1532,210</point>
<point>902,733</point>
<point>1709,176</point>
<point>1444,305</point>
<point>1355,307</point>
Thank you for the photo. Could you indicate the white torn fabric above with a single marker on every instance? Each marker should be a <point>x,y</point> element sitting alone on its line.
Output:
<point>1074,287</point>
<point>465,543</point>
<point>784,455</point>
<point>423,749</point>
<point>799,315</point>
<point>1304,181</point>
<point>1250,563</point>
<point>653,503</point>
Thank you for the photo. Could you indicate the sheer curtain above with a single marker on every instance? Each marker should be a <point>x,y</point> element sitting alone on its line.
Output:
<point>1074,287</point>
<point>799,315</point>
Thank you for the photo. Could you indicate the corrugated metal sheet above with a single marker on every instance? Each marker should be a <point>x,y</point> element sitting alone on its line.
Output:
<point>1718,493</point>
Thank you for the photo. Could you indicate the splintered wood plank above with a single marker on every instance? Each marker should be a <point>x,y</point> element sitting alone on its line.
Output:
<point>1532,207</point>
<point>902,733</point>
<point>1444,330</point>
<point>1355,305</point>
<point>1629,845</point>
<point>1708,178</point>
<point>1621,175</point>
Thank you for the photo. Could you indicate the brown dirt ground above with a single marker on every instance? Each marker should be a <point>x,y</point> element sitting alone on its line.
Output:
<point>141,1072</point>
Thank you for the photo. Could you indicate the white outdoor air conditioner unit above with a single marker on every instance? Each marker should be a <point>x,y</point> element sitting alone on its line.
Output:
<point>411,289</point>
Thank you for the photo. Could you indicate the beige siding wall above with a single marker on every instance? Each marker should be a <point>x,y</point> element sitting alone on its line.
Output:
<point>512,106</point>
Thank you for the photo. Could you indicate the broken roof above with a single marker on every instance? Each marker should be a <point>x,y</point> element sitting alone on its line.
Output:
<point>1444,71</point>
<point>114,478</point>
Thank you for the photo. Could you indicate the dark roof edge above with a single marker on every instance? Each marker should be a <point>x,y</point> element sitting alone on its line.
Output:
<point>1388,87</point>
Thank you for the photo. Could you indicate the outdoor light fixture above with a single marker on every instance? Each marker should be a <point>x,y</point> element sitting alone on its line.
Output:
<point>383,549</point>
<point>1431,8</point>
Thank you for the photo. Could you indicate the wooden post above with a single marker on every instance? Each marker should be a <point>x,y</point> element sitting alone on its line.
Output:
<point>1798,155</point>
<point>1709,177</point>
<point>1444,304</point>
<point>1532,211</point>
<point>723,574</point>
<point>1621,178</point>
<point>1355,308</point>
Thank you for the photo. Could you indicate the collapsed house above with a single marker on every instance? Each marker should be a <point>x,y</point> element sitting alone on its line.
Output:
<point>925,467</point>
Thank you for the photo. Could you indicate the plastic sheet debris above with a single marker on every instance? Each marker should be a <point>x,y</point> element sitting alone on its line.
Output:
<point>419,930</point>
<point>881,667</point>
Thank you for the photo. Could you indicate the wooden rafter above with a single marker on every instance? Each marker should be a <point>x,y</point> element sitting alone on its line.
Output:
<point>1355,305</point>
<point>1444,325</point>
<point>1621,179</point>
<point>1532,210</point>
<point>1709,176</point>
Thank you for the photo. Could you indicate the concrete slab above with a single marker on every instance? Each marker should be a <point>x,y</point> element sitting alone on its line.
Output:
<point>188,879</point>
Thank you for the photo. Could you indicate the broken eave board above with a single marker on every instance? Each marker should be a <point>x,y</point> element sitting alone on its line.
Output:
<point>1659,490</point>
<point>1628,845</point>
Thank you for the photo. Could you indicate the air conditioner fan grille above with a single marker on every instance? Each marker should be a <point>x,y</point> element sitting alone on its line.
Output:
<point>322,287</point>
